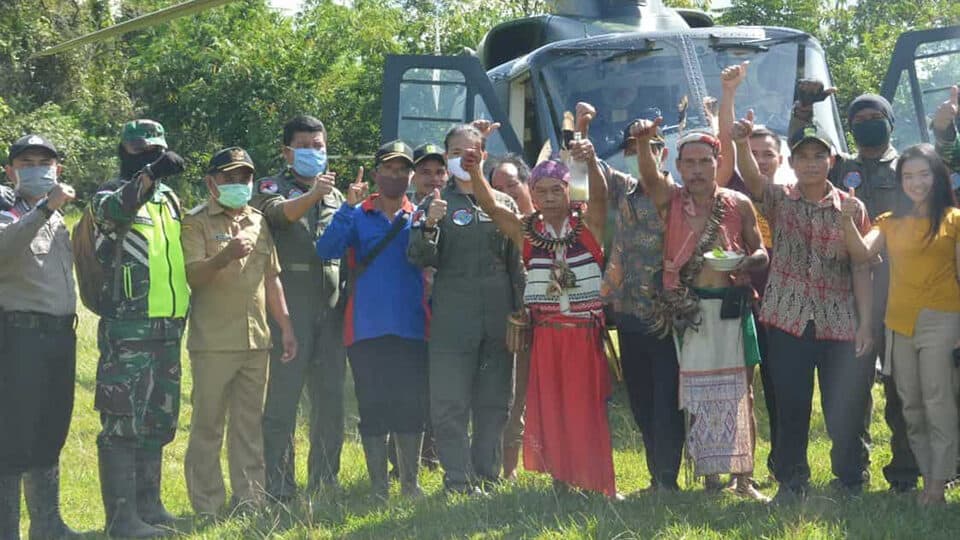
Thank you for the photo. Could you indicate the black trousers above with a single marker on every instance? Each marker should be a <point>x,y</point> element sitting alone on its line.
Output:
<point>390,380</point>
<point>37,374</point>
<point>651,374</point>
<point>769,394</point>
<point>845,383</point>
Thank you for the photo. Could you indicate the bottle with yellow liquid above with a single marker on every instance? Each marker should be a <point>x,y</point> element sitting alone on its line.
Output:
<point>579,176</point>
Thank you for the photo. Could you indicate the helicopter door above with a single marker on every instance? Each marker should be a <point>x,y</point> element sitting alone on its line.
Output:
<point>424,96</point>
<point>925,64</point>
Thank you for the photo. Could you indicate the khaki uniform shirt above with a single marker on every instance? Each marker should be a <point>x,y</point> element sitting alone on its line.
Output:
<point>37,269</point>
<point>229,313</point>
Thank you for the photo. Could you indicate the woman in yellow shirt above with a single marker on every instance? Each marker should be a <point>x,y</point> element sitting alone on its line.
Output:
<point>920,238</point>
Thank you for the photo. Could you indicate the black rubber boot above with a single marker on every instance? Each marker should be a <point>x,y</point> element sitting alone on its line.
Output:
<point>149,473</point>
<point>10,507</point>
<point>118,484</point>
<point>375,451</point>
<point>408,450</point>
<point>42,490</point>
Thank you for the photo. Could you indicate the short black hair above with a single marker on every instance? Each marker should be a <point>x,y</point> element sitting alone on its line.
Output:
<point>303,123</point>
<point>523,170</point>
<point>468,130</point>
<point>760,132</point>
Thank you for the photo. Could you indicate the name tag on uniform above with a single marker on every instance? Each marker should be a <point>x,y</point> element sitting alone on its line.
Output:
<point>483,217</point>
<point>223,237</point>
<point>298,267</point>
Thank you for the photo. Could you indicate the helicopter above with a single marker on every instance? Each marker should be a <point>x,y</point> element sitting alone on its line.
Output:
<point>629,58</point>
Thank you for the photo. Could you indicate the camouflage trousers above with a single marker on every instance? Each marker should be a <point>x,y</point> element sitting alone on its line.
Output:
<point>138,382</point>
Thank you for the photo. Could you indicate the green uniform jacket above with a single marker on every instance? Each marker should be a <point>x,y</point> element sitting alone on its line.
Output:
<point>312,285</point>
<point>152,282</point>
<point>480,273</point>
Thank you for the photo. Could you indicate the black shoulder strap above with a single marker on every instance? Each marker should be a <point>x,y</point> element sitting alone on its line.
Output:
<point>398,225</point>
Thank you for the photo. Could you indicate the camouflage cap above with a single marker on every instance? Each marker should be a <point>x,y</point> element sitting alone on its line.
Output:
<point>229,159</point>
<point>142,133</point>
<point>428,150</point>
<point>810,132</point>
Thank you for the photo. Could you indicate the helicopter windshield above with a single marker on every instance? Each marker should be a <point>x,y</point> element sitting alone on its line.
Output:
<point>625,85</point>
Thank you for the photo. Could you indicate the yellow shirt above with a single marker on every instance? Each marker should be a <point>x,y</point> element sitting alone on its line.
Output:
<point>229,313</point>
<point>923,275</point>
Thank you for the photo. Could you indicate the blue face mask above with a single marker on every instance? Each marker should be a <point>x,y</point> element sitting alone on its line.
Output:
<point>309,162</point>
<point>234,195</point>
<point>33,182</point>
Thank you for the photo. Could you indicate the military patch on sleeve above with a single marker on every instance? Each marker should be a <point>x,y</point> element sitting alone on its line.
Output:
<point>9,217</point>
<point>416,221</point>
<point>268,186</point>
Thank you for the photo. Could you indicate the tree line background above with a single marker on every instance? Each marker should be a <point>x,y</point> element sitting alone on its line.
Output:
<point>232,75</point>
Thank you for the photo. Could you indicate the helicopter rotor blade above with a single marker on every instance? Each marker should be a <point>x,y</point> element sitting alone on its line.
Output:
<point>144,21</point>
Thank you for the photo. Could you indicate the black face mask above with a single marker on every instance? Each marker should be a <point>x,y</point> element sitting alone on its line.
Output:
<point>131,164</point>
<point>872,133</point>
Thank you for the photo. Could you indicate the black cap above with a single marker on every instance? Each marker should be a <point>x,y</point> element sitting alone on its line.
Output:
<point>428,150</point>
<point>229,159</point>
<point>394,149</point>
<point>871,101</point>
<point>28,142</point>
<point>810,132</point>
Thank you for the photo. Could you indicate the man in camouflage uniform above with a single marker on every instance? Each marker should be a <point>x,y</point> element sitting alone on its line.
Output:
<point>298,205</point>
<point>142,308</point>
<point>38,350</point>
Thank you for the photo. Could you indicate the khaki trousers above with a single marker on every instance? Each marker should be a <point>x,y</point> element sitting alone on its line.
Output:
<point>226,385</point>
<point>927,382</point>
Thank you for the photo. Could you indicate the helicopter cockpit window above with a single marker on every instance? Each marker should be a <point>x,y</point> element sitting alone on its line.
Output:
<point>937,66</point>
<point>627,86</point>
<point>434,100</point>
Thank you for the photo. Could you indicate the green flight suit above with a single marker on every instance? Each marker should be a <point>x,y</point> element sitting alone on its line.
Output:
<point>312,289</point>
<point>478,283</point>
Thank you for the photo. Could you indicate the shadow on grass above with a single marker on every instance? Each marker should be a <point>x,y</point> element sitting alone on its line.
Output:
<point>532,509</point>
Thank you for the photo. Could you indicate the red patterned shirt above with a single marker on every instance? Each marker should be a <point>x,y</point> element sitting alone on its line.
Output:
<point>811,276</point>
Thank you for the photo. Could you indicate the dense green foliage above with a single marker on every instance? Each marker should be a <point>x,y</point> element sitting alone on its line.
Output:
<point>233,74</point>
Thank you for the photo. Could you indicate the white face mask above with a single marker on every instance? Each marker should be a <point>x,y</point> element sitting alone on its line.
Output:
<point>455,168</point>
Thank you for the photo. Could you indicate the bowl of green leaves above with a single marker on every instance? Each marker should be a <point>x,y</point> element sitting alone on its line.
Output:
<point>723,260</point>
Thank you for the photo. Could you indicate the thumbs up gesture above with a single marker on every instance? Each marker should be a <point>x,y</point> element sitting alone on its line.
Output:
<point>742,128</point>
<point>849,208</point>
<point>239,246</point>
<point>358,191</point>
<point>947,112</point>
<point>437,209</point>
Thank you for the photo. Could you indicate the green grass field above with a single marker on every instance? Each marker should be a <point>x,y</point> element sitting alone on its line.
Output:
<point>529,508</point>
